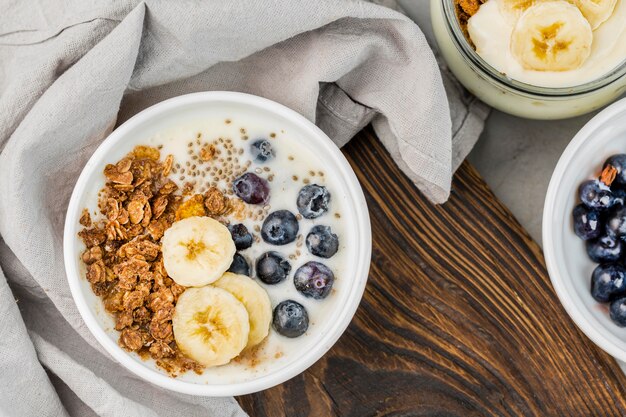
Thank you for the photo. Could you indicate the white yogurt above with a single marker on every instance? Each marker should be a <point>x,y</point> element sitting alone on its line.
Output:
<point>293,158</point>
<point>490,31</point>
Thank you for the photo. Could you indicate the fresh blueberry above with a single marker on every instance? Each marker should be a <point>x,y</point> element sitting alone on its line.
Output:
<point>618,311</point>
<point>619,196</point>
<point>252,189</point>
<point>322,242</point>
<point>272,268</point>
<point>608,281</point>
<point>280,227</point>
<point>314,279</point>
<point>239,266</point>
<point>605,249</point>
<point>619,163</point>
<point>290,319</point>
<point>261,150</point>
<point>596,195</point>
<point>241,236</point>
<point>616,222</point>
<point>587,222</point>
<point>313,201</point>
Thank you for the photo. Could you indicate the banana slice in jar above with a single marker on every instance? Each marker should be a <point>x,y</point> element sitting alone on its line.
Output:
<point>197,251</point>
<point>256,301</point>
<point>210,325</point>
<point>552,36</point>
<point>595,11</point>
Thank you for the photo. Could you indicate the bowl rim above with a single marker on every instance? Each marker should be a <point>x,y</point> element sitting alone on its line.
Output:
<point>557,275</point>
<point>344,316</point>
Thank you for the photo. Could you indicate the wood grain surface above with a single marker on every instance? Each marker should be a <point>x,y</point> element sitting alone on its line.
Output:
<point>458,318</point>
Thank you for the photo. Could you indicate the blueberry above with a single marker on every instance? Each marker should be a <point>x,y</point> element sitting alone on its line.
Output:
<point>596,195</point>
<point>272,268</point>
<point>239,265</point>
<point>322,242</point>
<point>290,319</point>
<point>314,279</point>
<point>605,249</point>
<point>280,227</point>
<point>616,222</point>
<point>241,236</point>
<point>619,195</point>
<point>261,150</point>
<point>313,201</point>
<point>587,222</point>
<point>608,281</point>
<point>618,311</point>
<point>619,163</point>
<point>252,189</point>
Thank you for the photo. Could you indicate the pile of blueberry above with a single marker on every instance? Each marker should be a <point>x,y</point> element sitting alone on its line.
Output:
<point>313,279</point>
<point>600,220</point>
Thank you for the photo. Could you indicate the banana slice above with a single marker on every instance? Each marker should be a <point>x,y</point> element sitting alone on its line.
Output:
<point>551,36</point>
<point>256,301</point>
<point>210,325</point>
<point>197,251</point>
<point>596,11</point>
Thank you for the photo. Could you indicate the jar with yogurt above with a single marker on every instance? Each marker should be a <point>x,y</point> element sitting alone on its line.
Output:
<point>539,59</point>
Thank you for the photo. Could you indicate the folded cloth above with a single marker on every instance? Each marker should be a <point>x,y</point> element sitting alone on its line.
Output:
<point>71,70</point>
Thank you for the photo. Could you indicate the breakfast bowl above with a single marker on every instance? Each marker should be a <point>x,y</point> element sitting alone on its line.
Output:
<point>566,257</point>
<point>477,50</point>
<point>234,163</point>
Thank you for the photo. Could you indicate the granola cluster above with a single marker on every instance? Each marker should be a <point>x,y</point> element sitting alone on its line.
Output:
<point>123,253</point>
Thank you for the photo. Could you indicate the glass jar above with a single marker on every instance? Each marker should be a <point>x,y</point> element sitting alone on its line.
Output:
<point>511,96</point>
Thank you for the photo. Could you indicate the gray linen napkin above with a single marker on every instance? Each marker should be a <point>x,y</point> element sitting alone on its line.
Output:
<point>71,70</point>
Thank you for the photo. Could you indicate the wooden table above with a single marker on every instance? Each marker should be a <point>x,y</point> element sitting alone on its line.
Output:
<point>458,319</point>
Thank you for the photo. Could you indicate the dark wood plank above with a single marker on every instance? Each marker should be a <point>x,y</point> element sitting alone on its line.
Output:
<point>458,319</point>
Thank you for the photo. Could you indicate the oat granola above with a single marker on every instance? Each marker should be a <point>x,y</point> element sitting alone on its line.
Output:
<point>123,253</point>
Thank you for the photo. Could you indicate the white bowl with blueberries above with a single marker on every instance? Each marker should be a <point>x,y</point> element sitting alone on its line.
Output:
<point>304,239</point>
<point>584,229</point>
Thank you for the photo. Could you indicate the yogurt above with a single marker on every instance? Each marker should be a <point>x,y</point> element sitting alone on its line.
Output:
<point>490,31</point>
<point>295,165</point>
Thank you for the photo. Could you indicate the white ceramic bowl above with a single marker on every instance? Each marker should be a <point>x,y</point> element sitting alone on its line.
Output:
<point>568,265</point>
<point>357,229</point>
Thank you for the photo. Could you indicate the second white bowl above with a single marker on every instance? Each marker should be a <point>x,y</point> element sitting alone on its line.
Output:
<point>566,257</point>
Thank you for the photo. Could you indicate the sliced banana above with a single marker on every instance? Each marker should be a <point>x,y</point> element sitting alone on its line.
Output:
<point>197,251</point>
<point>551,36</point>
<point>210,325</point>
<point>596,11</point>
<point>256,301</point>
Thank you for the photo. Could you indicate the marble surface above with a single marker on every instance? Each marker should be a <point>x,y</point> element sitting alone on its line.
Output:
<point>516,158</point>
